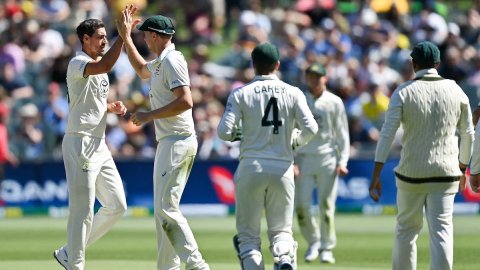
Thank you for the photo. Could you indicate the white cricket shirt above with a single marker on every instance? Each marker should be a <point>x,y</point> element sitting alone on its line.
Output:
<point>268,110</point>
<point>87,99</point>
<point>169,71</point>
<point>332,136</point>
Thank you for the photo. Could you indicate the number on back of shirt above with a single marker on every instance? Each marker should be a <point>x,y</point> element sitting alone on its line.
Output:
<point>275,121</point>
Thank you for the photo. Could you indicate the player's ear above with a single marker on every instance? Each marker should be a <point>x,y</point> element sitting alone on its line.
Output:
<point>85,38</point>
<point>277,65</point>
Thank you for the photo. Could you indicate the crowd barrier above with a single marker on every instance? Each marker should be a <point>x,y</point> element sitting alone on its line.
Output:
<point>40,187</point>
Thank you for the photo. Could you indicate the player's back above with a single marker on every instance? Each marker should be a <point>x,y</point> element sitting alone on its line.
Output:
<point>269,110</point>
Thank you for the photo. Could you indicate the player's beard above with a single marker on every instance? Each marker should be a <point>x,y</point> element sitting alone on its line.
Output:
<point>101,53</point>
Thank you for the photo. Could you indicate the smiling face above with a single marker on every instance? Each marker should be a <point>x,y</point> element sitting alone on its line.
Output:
<point>95,45</point>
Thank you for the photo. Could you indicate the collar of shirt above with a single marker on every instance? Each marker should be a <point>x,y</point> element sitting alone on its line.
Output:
<point>265,77</point>
<point>431,72</point>
<point>168,49</point>
<point>84,54</point>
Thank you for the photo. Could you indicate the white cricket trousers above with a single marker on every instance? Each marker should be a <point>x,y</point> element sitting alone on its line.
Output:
<point>91,173</point>
<point>438,211</point>
<point>258,188</point>
<point>175,240</point>
<point>317,172</point>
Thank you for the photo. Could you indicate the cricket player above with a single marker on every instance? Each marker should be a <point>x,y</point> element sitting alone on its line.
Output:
<point>475,163</point>
<point>432,165</point>
<point>266,111</point>
<point>320,162</point>
<point>171,104</point>
<point>89,166</point>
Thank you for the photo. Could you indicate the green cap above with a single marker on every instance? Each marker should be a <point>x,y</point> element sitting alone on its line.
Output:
<point>316,68</point>
<point>425,54</point>
<point>266,53</point>
<point>159,24</point>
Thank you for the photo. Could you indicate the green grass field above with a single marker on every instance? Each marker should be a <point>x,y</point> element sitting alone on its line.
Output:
<point>364,242</point>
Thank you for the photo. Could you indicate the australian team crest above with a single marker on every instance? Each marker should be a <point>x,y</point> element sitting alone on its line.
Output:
<point>103,89</point>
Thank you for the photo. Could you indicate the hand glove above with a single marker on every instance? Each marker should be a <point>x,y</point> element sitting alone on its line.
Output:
<point>238,134</point>
<point>295,134</point>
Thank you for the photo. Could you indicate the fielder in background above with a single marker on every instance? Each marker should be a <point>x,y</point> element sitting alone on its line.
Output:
<point>267,110</point>
<point>320,162</point>
<point>171,110</point>
<point>89,165</point>
<point>475,163</point>
<point>432,165</point>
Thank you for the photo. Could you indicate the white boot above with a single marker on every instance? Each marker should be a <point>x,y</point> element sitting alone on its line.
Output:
<point>312,252</point>
<point>326,256</point>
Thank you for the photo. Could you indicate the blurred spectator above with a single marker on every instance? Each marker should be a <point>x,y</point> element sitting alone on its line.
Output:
<point>53,11</point>
<point>374,110</point>
<point>199,17</point>
<point>382,74</point>
<point>55,115</point>
<point>115,136</point>
<point>254,23</point>
<point>363,137</point>
<point>10,51</point>
<point>363,43</point>
<point>429,25</point>
<point>453,66</point>
<point>28,137</point>
<point>15,85</point>
<point>6,156</point>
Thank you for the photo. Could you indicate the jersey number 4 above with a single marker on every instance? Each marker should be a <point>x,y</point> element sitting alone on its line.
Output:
<point>275,122</point>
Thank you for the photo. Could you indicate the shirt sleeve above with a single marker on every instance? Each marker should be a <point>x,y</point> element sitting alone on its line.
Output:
<point>176,71</point>
<point>151,65</point>
<point>304,121</point>
<point>78,65</point>
<point>393,118</point>
<point>230,119</point>
<point>342,136</point>
<point>475,163</point>
<point>466,130</point>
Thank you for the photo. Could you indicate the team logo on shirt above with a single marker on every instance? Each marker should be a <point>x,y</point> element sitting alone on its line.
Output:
<point>103,89</point>
<point>175,82</point>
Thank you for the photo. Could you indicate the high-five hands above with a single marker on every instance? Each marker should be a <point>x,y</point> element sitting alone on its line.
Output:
<point>126,22</point>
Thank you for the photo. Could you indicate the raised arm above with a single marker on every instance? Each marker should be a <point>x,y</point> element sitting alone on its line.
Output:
<point>124,27</point>
<point>105,63</point>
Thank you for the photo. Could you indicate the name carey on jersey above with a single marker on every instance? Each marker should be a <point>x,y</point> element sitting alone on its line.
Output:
<point>269,89</point>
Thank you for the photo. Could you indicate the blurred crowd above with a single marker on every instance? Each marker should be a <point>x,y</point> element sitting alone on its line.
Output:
<point>365,46</point>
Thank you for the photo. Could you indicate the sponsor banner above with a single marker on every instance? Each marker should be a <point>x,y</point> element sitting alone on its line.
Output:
<point>43,185</point>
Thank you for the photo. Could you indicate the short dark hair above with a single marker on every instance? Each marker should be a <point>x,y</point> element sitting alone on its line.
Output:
<point>88,27</point>
<point>264,68</point>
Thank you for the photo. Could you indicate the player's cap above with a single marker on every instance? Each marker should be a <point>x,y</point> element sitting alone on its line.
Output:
<point>265,53</point>
<point>316,68</point>
<point>425,53</point>
<point>159,24</point>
